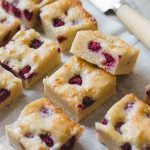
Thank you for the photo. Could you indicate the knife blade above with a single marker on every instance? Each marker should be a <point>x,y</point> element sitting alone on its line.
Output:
<point>105,5</point>
<point>135,22</point>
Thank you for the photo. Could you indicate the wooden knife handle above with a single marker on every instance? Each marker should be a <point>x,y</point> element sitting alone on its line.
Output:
<point>136,23</point>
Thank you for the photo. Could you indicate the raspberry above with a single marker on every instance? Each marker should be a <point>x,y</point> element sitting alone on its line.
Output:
<point>58,22</point>
<point>16,11</point>
<point>94,46</point>
<point>4,93</point>
<point>118,126</point>
<point>35,43</point>
<point>104,121</point>
<point>5,5</point>
<point>61,38</point>
<point>28,15</point>
<point>87,101</point>
<point>76,80</point>
<point>126,146</point>
<point>109,60</point>
<point>129,106</point>
<point>46,138</point>
<point>69,144</point>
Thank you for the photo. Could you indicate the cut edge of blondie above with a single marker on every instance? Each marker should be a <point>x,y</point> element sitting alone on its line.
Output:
<point>73,113</point>
<point>15,91</point>
<point>119,60</point>
<point>10,88</point>
<point>43,66</point>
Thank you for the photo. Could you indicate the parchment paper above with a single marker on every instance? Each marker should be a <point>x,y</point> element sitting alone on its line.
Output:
<point>134,82</point>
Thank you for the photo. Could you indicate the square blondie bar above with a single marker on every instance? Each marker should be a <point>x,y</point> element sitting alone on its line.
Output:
<point>79,87</point>
<point>29,56</point>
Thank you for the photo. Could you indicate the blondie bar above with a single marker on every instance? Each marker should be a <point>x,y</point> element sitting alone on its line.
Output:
<point>42,126</point>
<point>108,52</point>
<point>79,87</point>
<point>29,56</point>
<point>63,18</point>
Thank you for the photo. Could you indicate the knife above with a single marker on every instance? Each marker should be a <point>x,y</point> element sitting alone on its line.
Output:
<point>135,22</point>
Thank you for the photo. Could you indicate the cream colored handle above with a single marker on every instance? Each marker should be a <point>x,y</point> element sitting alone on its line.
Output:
<point>136,23</point>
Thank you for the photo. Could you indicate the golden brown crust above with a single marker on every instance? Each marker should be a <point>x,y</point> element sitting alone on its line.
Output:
<point>65,5</point>
<point>76,3</point>
<point>32,4</point>
<point>35,106</point>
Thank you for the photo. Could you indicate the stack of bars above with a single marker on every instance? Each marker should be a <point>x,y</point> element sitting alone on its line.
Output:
<point>79,87</point>
<point>87,80</point>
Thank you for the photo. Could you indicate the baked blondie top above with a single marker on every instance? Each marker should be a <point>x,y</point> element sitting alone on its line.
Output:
<point>43,126</point>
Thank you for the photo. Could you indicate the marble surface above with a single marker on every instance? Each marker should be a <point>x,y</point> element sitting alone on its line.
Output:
<point>134,82</point>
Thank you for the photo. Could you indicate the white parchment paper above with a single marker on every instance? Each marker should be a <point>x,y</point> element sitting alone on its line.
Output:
<point>134,82</point>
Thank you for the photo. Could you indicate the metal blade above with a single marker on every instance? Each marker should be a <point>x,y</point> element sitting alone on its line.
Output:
<point>105,5</point>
